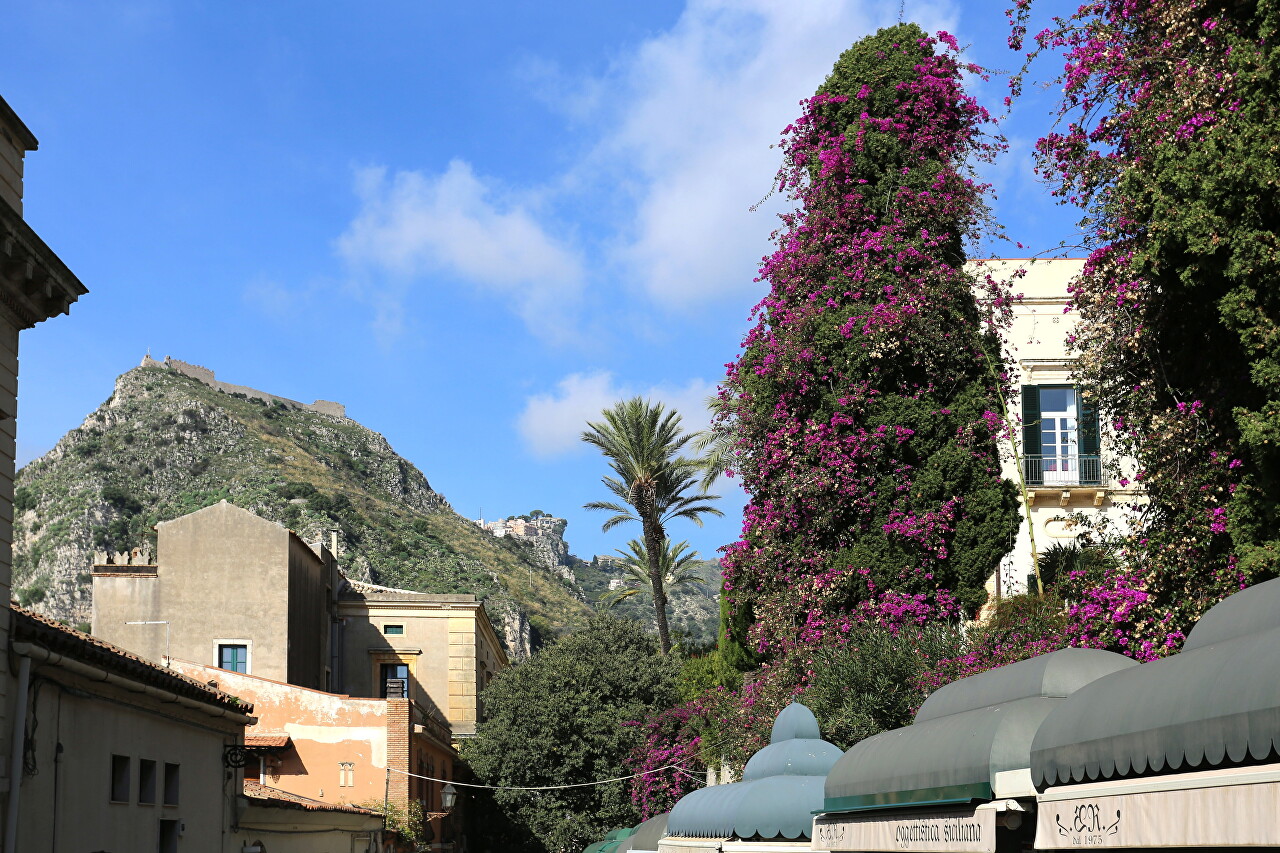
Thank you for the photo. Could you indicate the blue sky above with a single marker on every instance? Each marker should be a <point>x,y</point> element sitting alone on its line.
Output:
<point>474,224</point>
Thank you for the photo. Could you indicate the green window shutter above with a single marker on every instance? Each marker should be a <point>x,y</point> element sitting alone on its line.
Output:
<point>1090,442</point>
<point>1032,467</point>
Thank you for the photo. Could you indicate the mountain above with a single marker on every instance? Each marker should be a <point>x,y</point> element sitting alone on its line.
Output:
<point>694,614</point>
<point>172,439</point>
<point>694,610</point>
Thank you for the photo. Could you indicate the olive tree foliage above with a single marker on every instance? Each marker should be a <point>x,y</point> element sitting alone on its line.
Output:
<point>565,716</point>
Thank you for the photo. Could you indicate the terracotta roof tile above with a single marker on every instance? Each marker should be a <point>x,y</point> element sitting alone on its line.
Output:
<point>283,799</point>
<point>43,631</point>
<point>266,741</point>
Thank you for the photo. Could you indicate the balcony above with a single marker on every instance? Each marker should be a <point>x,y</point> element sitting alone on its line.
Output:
<point>1063,471</point>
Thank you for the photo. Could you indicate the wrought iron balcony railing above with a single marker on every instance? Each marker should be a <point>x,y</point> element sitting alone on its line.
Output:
<point>1062,470</point>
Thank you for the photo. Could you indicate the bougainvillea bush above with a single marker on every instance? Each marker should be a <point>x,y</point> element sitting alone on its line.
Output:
<point>865,411</point>
<point>857,684</point>
<point>1167,138</point>
<point>863,402</point>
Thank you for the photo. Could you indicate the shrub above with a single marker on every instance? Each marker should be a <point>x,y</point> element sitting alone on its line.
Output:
<point>24,499</point>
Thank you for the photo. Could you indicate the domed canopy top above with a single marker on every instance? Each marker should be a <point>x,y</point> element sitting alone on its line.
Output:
<point>781,787</point>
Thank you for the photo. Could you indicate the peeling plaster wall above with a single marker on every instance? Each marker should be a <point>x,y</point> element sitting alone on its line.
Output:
<point>327,729</point>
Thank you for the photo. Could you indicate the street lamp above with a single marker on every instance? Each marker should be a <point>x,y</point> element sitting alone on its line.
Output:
<point>448,799</point>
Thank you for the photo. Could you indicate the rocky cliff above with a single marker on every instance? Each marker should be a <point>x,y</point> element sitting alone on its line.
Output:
<point>694,609</point>
<point>165,444</point>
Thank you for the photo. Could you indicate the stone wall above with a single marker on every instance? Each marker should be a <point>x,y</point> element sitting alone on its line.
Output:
<point>208,377</point>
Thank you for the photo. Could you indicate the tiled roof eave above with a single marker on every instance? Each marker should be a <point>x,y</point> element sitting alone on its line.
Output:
<point>89,650</point>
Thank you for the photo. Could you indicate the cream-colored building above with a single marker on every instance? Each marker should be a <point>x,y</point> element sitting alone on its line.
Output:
<point>1066,458</point>
<point>232,590</point>
<point>120,753</point>
<point>361,690</point>
<point>443,644</point>
<point>229,589</point>
<point>34,285</point>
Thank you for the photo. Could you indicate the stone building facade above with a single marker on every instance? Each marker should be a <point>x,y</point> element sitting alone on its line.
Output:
<point>443,644</point>
<point>35,285</point>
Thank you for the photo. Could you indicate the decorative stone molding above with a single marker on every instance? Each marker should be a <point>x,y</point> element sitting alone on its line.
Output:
<point>34,282</point>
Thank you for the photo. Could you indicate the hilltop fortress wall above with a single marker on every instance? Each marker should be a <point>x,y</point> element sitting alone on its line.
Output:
<point>207,376</point>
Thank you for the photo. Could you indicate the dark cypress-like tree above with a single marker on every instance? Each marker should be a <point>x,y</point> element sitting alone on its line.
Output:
<point>864,405</point>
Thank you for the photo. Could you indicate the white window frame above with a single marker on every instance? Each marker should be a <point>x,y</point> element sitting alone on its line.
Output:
<point>1065,458</point>
<point>248,653</point>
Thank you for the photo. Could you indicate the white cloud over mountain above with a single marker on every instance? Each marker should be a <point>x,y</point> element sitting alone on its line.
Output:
<point>552,422</point>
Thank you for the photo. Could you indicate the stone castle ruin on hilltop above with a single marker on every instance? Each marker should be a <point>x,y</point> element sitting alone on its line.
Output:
<point>206,376</point>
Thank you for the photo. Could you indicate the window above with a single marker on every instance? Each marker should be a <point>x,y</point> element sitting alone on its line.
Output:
<point>171,782</point>
<point>121,770</point>
<point>1060,437</point>
<point>146,782</point>
<point>390,630</point>
<point>234,657</point>
<point>390,673</point>
<point>346,774</point>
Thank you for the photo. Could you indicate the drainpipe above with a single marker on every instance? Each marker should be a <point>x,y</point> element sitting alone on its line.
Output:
<point>16,749</point>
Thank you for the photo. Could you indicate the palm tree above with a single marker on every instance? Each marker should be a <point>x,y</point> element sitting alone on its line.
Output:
<point>717,442</point>
<point>675,564</point>
<point>642,442</point>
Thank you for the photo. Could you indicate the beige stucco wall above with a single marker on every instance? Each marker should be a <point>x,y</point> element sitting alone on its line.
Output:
<point>223,575</point>
<point>291,831</point>
<point>1037,345</point>
<point>67,804</point>
<point>445,641</point>
<point>310,594</point>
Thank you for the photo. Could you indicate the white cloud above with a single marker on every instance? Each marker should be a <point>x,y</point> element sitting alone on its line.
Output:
<point>413,225</point>
<point>676,140</point>
<point>705,101</point>
<point>552,423</point>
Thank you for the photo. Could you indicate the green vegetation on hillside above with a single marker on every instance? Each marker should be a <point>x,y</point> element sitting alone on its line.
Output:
<point>165,445</point>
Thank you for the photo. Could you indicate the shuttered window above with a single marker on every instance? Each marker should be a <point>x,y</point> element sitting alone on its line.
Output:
<point>1061,438</point>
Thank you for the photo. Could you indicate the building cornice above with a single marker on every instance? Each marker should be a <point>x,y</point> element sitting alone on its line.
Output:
<point>10,118</point>
<point>34,282</point>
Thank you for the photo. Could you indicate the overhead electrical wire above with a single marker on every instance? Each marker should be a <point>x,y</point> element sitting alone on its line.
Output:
<point>676,766</point>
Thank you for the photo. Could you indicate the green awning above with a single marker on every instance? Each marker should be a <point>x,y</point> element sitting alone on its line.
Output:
<point>781,787</point>
<point>649,833</point>
<point>1216,703</point>
<point>964,735</point>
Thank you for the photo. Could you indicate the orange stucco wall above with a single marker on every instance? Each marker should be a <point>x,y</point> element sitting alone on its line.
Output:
<point>326,729</point>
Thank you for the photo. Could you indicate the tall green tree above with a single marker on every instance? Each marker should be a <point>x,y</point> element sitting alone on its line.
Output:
<point>560,718</point>
<point>864,408</point>
<point>654,484</point>
<point>675,563</point>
